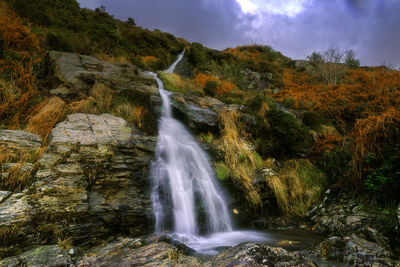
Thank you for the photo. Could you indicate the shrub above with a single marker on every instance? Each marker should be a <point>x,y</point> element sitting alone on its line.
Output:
<point>288,136</point>
<point>210,88</point>
<point>20,55</point>
<point>383,177</point>
<point>314,120</point>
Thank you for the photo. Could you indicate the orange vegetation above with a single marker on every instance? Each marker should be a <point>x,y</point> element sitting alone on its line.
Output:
<point>362,93</point>
<point>252,55</point>
<point>51,112</point>
<point>147,59</point>
<point>365,106</point>
<point>223,87</point>
<point>20,53</point>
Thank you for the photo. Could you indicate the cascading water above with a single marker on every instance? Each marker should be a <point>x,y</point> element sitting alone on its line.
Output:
<point>183,177</point>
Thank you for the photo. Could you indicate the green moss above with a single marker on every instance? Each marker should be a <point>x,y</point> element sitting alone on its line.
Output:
<point>168,84</point>
<point>311,175</point>
<point>222,171</point>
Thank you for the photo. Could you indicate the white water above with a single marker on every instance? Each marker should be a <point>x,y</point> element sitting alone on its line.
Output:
<point>184,183</point>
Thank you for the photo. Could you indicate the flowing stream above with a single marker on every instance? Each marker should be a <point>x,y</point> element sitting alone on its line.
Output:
<point>185,188</point>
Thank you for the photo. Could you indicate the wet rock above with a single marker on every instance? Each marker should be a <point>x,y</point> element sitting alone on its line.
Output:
<point>356,251</point>
<point>251,254</point>
<point>132,252</point>
<point>46,256</point>
<point>4,195</point>
<point>199,113</point>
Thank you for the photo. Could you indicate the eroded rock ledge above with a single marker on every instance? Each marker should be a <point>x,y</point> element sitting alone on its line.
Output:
<point>92,182</point>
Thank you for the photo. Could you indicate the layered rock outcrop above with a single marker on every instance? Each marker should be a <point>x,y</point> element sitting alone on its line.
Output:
<point>91,182</point>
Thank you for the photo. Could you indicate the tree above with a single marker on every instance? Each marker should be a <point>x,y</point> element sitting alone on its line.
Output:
<point>131,22</point>
<point>350,59</point>
<point>101,9</point>
<point>315,59</point>
<point>328,65</point>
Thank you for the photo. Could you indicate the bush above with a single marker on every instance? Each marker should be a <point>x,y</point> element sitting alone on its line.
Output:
<point>314,120</point>
<point>287,135</point>
<point>210,88</point>
<point>383,177</point>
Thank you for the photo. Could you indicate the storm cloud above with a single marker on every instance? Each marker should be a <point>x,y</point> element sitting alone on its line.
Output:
<point>294,27</point>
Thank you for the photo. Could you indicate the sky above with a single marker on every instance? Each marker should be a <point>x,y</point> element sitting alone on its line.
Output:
<point>294,27</point>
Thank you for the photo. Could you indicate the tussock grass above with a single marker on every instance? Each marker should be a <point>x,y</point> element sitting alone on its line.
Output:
<point>103,96</point>
<point>132,113</point>
<point>296,186</point>
<point>53,111</point>
<point>17,177</point>
<point>239,157</point>
<point>102,99</point>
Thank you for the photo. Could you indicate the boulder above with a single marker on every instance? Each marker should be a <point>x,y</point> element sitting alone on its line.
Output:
<point>135,252</point>
<point>252,254</point>
<point>199,113</point>
<point>76,74</point>
<point>80,73</point>
<point>356,251</point>
<point>45,256</point>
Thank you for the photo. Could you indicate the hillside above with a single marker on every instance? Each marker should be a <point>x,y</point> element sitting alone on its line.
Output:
<point>300,141</point>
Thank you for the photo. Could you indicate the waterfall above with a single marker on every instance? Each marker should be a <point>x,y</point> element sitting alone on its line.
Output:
<point>184,182</point>
<point>181,171</point>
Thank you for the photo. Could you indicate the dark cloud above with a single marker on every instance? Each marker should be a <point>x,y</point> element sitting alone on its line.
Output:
<point>369,27</point>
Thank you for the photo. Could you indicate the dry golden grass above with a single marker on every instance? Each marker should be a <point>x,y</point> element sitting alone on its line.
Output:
<point>296,186</point>
<point>239,156</point>
<point>18,177</point>
<point>43,122</point>
<point>131,113</point>
<point>83,106</point>
<point>372,135</point>
<point>101,101</point>
<point>103,96</point>
<point>112,59</point>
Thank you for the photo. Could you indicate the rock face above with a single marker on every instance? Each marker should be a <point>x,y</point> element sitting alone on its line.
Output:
<point>78,73</point>
<point>199,113</point>
<point>254,80</point>
<point>92,182</point>
<point>15,145</point>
